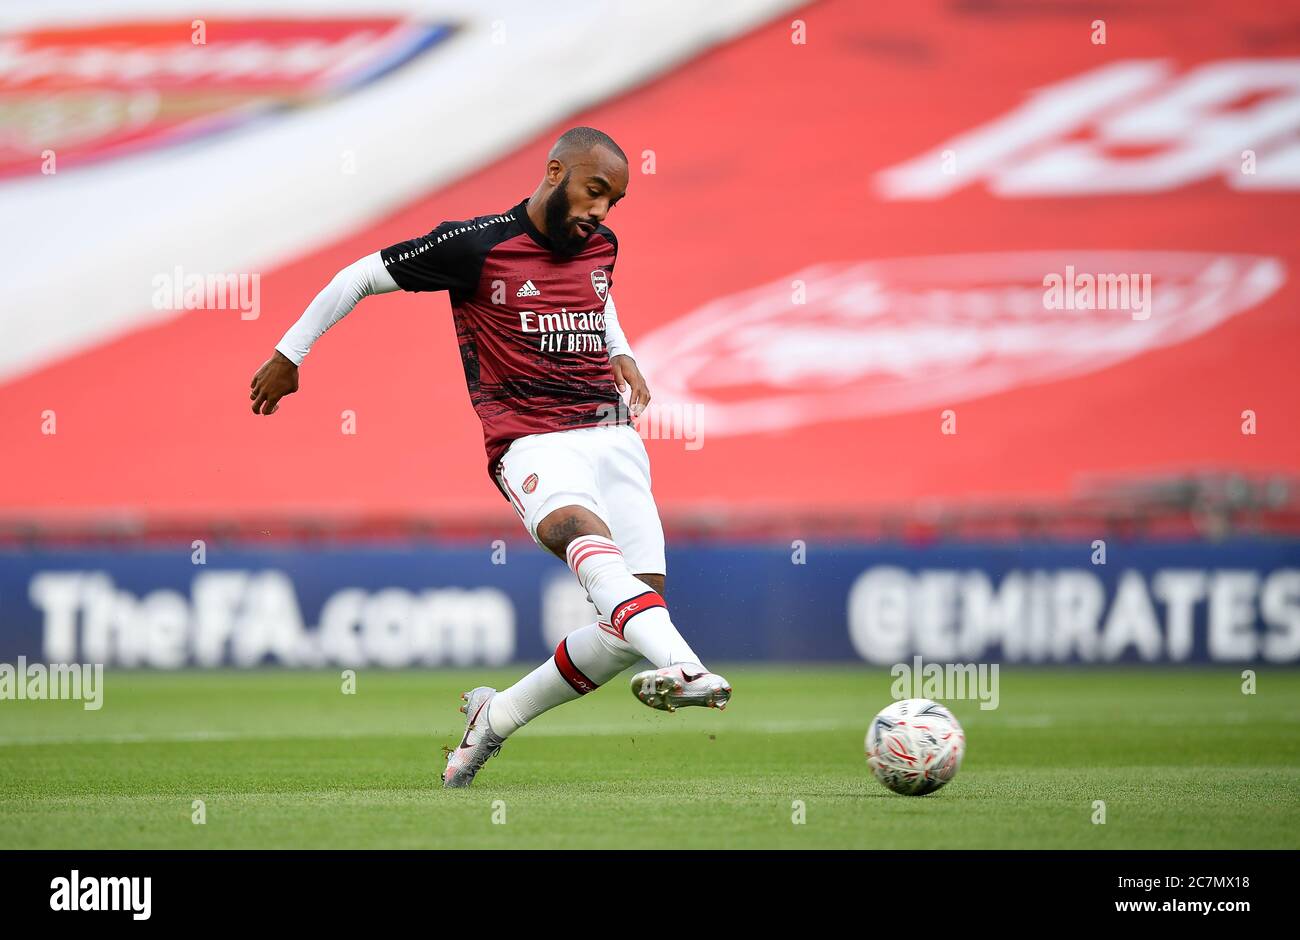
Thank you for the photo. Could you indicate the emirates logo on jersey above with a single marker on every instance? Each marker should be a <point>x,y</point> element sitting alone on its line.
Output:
<point>600,283</point>
<point>912,333</point>
<point>530,483</point>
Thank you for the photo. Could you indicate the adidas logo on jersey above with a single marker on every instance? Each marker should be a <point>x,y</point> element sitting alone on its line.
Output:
<point>528,290</point>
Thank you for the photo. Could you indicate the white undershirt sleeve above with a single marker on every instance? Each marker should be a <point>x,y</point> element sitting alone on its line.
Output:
<point>363,277</point>
<point>615,342</point>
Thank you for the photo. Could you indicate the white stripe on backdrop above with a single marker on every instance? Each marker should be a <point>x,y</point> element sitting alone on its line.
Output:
<point>79,250</point>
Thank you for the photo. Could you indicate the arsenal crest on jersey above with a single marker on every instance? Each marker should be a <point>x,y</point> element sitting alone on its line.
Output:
<point>600,281</point>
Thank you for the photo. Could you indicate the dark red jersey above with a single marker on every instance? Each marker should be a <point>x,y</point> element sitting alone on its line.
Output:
<point>530,322</point>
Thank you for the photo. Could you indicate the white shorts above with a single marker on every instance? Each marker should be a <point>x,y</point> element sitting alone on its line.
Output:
<point>604,469</point>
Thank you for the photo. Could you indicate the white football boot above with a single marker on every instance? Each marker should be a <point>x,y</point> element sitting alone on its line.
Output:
<point>478,744</point>
<point>673,686</point>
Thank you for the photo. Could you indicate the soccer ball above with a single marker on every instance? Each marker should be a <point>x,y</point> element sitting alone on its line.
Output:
<point>915,746</point>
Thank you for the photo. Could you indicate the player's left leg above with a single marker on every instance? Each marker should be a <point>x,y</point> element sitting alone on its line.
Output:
<point>585,659</point>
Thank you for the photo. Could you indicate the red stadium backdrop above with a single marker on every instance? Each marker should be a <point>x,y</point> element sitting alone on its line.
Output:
<point>840,295</point>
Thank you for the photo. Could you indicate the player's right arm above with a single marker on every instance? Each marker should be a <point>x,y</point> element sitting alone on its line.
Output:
<point>431,262</point>
<point>278,376</point>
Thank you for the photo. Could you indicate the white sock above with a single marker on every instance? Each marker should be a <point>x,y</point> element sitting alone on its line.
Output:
<point>585,659</point>
<point>636,613</point>
<point>597,652</point>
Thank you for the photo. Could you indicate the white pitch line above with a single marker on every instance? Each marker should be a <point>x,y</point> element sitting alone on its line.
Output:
<point>667,725</point>
<point>561,731</point>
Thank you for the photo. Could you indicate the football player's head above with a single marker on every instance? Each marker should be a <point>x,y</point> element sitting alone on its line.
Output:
<point>587,174</point>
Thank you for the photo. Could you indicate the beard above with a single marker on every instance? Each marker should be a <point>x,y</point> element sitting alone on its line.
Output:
<point>558,229</point>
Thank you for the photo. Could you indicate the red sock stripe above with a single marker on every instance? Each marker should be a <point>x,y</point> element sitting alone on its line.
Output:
<point>592,553</point>
<point>572,674</point>
<point>633,606</point>
<point>590,550</point>
<point>589,541</point>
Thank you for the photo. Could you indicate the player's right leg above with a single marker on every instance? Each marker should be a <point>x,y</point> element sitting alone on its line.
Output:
<point>562,485</point>
<point>633,518</point>
<point>635,611</point>
<point>555,482</point>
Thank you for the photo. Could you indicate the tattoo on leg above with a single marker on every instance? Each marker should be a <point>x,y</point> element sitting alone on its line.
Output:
<point>566,530</point>
<point>559,534</point>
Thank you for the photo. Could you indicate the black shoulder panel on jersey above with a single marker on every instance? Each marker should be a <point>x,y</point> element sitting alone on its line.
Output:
<point>450,257</point>
<point>610,236</point>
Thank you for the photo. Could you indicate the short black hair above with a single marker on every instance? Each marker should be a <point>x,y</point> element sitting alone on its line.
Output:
<point>584,138</point>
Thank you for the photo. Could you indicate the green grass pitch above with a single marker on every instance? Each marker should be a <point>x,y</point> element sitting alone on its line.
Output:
<point>1182,759</point>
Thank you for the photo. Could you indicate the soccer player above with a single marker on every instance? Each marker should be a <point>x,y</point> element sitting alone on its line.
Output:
<point>545,361</point>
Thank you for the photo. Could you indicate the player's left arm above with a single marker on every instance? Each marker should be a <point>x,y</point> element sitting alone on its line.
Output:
<point>621,362</point>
